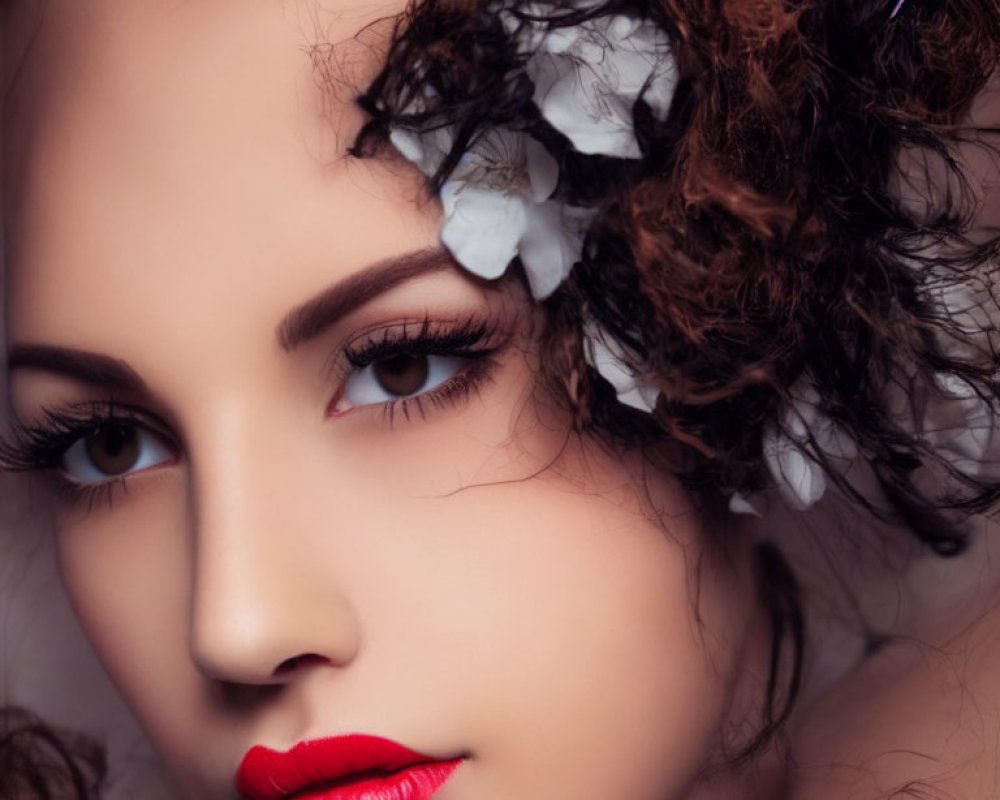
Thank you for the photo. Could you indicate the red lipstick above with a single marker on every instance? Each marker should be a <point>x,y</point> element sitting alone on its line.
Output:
<point>354,767</point>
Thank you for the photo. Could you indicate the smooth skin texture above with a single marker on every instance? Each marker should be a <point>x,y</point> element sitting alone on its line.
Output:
<point>457,572</point>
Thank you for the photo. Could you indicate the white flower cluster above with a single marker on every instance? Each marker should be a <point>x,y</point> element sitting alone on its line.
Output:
<point>498,201</point>
<point>499,204</point>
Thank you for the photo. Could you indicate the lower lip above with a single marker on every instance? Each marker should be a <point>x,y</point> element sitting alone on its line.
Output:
<point>417,782</point>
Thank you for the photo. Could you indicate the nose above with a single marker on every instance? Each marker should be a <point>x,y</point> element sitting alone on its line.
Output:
<point>266,597</point>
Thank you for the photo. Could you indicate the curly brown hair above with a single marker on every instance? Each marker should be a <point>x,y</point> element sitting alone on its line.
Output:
<point>760,239</point>
<point>39,762</point>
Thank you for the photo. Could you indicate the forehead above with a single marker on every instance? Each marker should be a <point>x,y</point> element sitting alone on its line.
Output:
<point>72,63</point>
<point>161,147</point>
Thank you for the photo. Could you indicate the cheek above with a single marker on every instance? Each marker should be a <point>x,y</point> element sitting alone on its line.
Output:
<point>128,575</point>
<point>574,647</point>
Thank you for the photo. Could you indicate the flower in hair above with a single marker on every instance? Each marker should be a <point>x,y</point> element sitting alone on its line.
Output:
<point>961,427</point>
<point>952,417</point>
<point>795,448</point>
<point>497,205</point>
<point>498,202</point>
<point>609,358</point>
<point>589,77</point>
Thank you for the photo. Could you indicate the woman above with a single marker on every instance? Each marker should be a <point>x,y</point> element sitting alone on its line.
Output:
<point>351,514</point>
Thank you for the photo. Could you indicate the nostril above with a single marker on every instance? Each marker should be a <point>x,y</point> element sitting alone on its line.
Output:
<point>291,664</point>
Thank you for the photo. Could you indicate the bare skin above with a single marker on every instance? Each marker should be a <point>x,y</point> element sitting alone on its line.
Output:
<point>296,551</point>
<point>920,718</point>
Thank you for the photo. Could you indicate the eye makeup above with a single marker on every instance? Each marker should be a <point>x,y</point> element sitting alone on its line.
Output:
<point>88,451</point>
<point>70,436</point>
<point>464,350</point>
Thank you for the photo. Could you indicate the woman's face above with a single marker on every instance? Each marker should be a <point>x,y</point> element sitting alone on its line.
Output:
<point>305,485</point>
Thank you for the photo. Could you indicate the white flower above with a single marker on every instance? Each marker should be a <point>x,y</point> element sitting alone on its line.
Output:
<point>792,449</point>
<point>427,149</point>
<point>497,202</point>
<point>497,205</point>
<point>588,78</point>
<point>482,227</point>
<point>960,424</point>
<point>609,358</point>
<point>552,242</point>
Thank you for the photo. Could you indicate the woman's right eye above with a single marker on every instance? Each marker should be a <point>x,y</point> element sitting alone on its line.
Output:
<point>398,377</point>
<point>112,449</point>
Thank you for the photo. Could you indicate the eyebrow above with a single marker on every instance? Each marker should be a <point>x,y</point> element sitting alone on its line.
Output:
<point>300,325</point>
<point>92,368</point>
<point>310,319</point>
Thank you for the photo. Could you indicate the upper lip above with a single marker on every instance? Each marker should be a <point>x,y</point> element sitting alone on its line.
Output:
<point>266,774</point>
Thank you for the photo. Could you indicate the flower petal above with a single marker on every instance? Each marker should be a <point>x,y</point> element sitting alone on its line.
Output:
<point>960,425</point>
<point>793,452</point>
<point>808,426</point>
<point>738,504</point>
<point>482,227</point>
<point>642,397</point>
<point>588,78</point>
<point>799,479</point>
<point>408,143</point>
<point>596,121</point>
<point>427,149</point>
<point>659,92</point>
<point>606,356</point>
<point>543,171</point>
<point>551,244</point>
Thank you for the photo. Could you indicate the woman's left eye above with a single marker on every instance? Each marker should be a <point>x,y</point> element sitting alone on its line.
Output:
<point>397,377</point>
<point>113,449</point>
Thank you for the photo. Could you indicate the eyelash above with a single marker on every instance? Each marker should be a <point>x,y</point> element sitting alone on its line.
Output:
<point>42,447</point>
<point>472,339</point>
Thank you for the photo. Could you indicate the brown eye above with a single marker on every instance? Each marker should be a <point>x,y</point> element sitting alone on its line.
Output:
<point>112,449</point>
<point>401,375</point>
<point>397,376</point>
